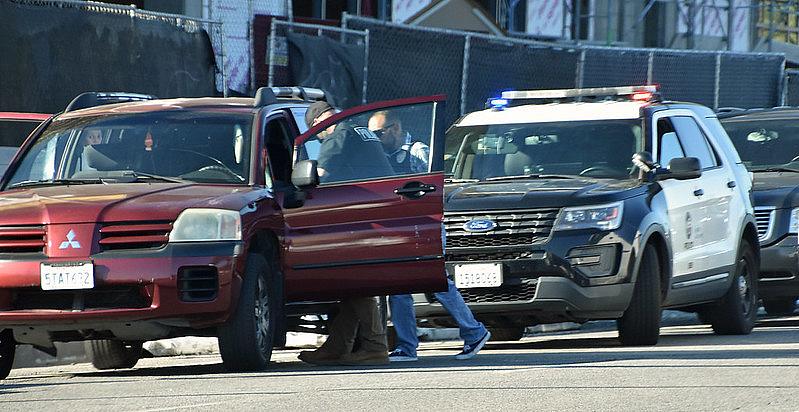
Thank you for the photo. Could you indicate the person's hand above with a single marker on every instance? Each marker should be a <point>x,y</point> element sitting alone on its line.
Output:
<point>320,171</point>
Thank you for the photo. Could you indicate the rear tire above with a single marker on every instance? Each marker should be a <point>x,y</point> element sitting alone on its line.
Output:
<point>113,354</point>
<point>736,312</point>
<point>247,338</point>
<point>8,347</point>
<point>780,306</point>
<point>640,324</point>
<point>507,334</point>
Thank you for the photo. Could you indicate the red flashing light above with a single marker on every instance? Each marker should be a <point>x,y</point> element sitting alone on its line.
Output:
<point>642,96</point>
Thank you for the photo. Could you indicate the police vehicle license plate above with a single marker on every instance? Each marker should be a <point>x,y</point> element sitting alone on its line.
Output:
<point>478,275</point>
<point>71,275</point>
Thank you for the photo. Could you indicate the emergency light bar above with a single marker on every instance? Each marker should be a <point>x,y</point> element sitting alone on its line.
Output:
<point>269,95</point>
<point>644,93</point>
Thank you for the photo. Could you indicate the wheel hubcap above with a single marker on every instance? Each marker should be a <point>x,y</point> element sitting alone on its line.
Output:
<point>262,316</point>
<point>744,290</point>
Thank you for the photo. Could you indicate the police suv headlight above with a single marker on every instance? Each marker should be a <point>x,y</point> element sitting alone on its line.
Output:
<point>793,226</point>
<point>603,217</point>
<point>198,225</point>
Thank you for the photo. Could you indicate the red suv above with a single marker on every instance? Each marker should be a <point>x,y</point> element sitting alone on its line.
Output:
<point>149,219</point>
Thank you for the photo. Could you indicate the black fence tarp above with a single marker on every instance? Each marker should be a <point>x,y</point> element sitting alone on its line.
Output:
<point>332,66</point>
<point>49,55</point>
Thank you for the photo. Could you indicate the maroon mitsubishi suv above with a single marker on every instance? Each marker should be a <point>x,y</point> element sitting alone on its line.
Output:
<point>149,219</point>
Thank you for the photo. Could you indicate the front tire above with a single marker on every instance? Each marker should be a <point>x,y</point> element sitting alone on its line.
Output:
<point>780,306</point>
<point>640,324</point>
<point>8,347</point>
<point>247,338</point>
<point>736,312</point>
<point>113,354</point>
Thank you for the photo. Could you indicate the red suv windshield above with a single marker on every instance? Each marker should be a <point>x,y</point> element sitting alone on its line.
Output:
<point>204,147</point>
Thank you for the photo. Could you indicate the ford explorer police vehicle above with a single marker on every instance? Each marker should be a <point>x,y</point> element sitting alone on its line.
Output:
<point>604,203</point>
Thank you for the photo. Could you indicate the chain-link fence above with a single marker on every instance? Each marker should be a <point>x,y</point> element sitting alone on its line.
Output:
<point>79,46</point>
<point>327,57</point>
<point>470,68</point>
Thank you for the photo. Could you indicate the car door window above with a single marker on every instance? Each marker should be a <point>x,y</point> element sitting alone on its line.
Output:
<point>669,146</point>
<point>694,141</point>
<point>374,144</point>
<point>277,140</point>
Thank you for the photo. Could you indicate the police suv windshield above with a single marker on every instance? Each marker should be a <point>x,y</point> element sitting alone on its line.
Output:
<point>597,148</point>
<point>172,146</point>
<point>765,144</point>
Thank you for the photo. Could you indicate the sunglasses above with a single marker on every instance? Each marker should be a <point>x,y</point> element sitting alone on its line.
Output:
<point>384,129</point>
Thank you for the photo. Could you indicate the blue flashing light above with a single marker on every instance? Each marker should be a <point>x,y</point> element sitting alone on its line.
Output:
<point>498,103</point>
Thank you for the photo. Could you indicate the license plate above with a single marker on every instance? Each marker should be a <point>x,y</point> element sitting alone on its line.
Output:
<point>72,275</point>
<point>478,275</point>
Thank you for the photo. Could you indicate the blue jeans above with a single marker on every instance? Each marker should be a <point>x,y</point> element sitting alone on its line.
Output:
<point>403,317</point>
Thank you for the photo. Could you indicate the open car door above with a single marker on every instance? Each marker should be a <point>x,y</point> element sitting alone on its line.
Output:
<point>14,128</point>
<point>372,226</point>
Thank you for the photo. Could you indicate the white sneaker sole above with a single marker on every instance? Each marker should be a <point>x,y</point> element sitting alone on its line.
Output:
<point>403,359</point>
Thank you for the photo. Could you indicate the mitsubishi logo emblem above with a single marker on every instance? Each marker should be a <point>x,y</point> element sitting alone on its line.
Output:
<point>70,242</point>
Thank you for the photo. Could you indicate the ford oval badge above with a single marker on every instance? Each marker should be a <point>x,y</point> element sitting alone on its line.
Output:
<point>479,225</point>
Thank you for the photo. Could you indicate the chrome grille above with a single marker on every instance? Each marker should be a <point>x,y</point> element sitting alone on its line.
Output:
<point>764,216</point>
<point>514,228</point>
<point>134,235</point>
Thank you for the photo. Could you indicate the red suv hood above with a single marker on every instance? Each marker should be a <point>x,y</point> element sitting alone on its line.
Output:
<point>110,203</point>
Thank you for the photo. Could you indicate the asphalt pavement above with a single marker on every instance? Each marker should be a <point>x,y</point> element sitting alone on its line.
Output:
<point>690,369</point>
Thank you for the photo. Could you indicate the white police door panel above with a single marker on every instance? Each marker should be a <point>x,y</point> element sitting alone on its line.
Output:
<point>718,246</point>
<point>683,199</point>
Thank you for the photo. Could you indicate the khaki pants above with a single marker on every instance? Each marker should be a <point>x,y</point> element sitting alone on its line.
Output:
<point>357,318</point>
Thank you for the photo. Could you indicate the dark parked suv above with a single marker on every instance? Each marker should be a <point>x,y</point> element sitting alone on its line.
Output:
<point>768,141</point>
<point>572,205</point>
<point>149,219</point>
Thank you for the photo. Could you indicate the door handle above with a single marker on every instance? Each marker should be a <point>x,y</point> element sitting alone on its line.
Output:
<point>731,184</point>
<point>699,192</point>
<point>414,190</point>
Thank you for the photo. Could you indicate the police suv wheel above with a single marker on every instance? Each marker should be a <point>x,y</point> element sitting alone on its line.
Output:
<point>736,312</point>
<point>7,348</point>
<point>113,354</point>
<point>640,324</point>
<point>247,338</point>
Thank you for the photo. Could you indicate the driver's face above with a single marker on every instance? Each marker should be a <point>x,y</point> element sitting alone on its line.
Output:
<point>93,137</point>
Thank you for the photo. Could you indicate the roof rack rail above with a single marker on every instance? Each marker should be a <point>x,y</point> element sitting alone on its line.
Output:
<point>92,99</point>
<point>643,93</point>
<point>729,109</point>
<point>269,95</point>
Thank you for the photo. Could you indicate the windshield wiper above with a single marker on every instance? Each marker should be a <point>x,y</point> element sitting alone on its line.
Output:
<point>147,176</point>
<point>56,182</point>
<point>776,169</point>
<point>530,176</point>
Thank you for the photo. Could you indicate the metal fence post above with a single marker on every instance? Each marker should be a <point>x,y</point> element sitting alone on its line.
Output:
<point>578,75</point>
<point>365,65</point>
<point>250,48</point>
<point>224,59</point>
<point>783,87</point>
<point>717,83</point>
<point>272,34</point>
<point>650,67</point>
<point>465,74</point>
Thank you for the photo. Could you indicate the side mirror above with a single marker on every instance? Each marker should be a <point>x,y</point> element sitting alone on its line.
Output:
<point>305,174</point>
<point>683,168</point>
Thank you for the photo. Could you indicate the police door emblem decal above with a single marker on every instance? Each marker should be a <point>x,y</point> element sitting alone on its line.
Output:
<point>70,242</point>
<point>689,229</point>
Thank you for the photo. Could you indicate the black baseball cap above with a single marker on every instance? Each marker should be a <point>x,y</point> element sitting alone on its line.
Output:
<point>315,110</point>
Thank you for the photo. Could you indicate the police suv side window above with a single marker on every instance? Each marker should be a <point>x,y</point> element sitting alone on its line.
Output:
<point>694,141</point>
<point>669,145</point>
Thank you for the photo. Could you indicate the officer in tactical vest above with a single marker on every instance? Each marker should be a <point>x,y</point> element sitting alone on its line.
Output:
<point>405,155</point>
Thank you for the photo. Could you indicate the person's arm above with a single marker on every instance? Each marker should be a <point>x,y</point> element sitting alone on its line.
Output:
<point>331,154</point>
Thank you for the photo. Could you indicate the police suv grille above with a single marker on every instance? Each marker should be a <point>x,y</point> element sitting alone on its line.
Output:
<point>505,293</point>
<point>765,219</point>
<point>514,228</point>
<point>101,297</point>
<point>135,235</point>
<point>22,239</point>
<point>466,257</point>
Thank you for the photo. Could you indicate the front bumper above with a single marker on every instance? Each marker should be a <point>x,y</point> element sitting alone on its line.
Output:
<point>120,276</point>
<point>779,269</point>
